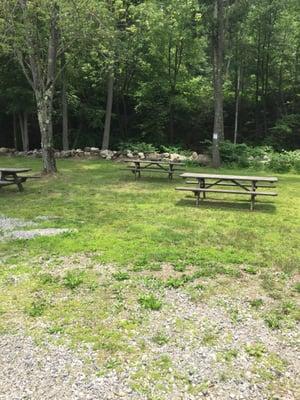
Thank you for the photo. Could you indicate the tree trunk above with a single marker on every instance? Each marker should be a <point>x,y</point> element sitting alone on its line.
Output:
<point>218,49</point>
<point>23,121</point>
<point>44,111</point>
<point>15,131</point>
<point>65,133</point>
<point>109,101</point>
<point>171,122</point>
<point>237,104</point>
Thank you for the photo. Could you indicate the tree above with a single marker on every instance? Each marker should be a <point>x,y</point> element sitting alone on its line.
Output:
<point>218,50</point>
<point>37,33</point>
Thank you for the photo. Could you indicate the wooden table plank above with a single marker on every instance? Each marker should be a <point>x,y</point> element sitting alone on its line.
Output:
<point>155,162</point>
<point>229,177</point>
<point>14,170</point>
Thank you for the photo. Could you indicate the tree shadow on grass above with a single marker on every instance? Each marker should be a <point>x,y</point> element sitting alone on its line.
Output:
<point>217,204</point>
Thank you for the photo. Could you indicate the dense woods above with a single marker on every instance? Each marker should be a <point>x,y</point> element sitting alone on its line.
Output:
<point>169,72</point>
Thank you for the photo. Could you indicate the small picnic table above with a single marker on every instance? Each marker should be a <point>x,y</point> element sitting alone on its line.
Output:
<point>247,185</point>
<point>9,176</point>
<point>168,167</point>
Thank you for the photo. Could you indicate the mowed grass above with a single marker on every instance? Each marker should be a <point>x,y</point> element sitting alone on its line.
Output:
<point>131,242</point>
<point>141,222</point>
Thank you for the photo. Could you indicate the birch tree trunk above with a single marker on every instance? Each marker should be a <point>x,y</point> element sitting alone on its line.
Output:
<point>218,49</point>
<point>42,82</point>
<point>109,102</point>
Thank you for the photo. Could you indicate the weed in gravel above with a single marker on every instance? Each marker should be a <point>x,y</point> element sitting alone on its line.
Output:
<point>256,350</point>
<point>250,269</point>
<point>160,338</point>
<point>121,276</point>
<point>73,279</point>
<point>271,286</point>
<point>48,279</point>
<point>273,319</point>
<point>54,330</point>
<point>179,267</point>
<point>210,337</point>
<point>36,308</point>
<point>234,315</point>
<point>228,355</point>
<point>150,302</point>
<point>174,283</point>
<point>256,303</point>
<point>297,287</point>
<point>155,267</point>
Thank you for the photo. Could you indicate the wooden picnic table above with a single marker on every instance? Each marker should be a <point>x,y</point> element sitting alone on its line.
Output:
<point>169,167</point>
<point>246,184</point>
<point>9,176</point>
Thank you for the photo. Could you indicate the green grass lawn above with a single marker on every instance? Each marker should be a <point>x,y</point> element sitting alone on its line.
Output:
<point>133,240</point>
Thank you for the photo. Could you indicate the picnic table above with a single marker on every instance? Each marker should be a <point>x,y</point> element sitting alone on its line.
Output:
<point>168,167</point>
<point>248,185</point>
<point>10,176</point>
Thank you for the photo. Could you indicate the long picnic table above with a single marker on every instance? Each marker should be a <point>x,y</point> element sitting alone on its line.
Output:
<point>10,176</point>
<point>168,167</point>
<point>246,184</point>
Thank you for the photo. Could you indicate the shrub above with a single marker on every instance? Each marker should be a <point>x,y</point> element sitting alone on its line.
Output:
<point>280,162</point>
<point>234,153</point>
<point>137,147</point>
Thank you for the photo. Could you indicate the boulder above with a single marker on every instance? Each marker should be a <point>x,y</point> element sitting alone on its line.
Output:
<point>129,154</point>
<point>141,155</point>
<point>194,156</point>
<point>177,157</point>
<point>4,150</point>
<point>107,154</point>
<point>154,156</point>
<point>94,150</point>
<point>87,149</point>
<point>204,159</point>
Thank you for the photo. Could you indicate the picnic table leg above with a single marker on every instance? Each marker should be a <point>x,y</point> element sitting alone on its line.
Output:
<point>254,187</point>
<point>202,185</point>
<point>171,171</point>
<point>14,178</point>
<point>197,198</point>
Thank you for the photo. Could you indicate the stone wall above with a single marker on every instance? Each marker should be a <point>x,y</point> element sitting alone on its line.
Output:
<point>94,152</point>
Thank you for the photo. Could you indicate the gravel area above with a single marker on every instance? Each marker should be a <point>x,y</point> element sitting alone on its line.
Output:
<point>196,368</point>
<point>9,226</point>
<point>35,373</point>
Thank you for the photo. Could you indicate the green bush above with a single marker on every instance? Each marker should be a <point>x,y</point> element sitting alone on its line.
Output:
<point>237,154</point>
<point>280,162</point>
<point>137,147</point>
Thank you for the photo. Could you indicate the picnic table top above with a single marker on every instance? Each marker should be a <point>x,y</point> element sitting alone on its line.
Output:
<point>15,170</point>
<point>229,177</point>
<point>155,162</point>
